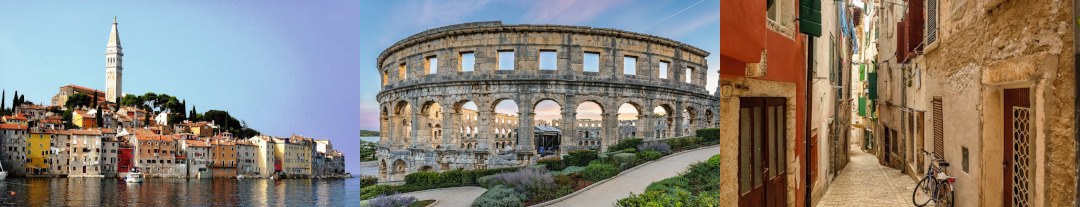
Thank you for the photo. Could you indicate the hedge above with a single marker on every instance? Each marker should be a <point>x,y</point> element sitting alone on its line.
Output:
<point>500,196</point>
<point>624,160</point>
<point>599,171</point>
<point>625,144</point>
<point>648,155</point>
<point>579,158</point>
<point>553,164</point>
<point>709,134</point>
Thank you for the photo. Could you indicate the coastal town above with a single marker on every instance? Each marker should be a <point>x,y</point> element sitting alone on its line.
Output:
<point>86,132</point>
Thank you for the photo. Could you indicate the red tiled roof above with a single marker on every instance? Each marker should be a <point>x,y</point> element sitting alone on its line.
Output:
<point>196,143</point>
<point>86,132</point>
<point>12,126</point>
<point>15,117</point>
<point>108,131</point>
<point>154,137</point>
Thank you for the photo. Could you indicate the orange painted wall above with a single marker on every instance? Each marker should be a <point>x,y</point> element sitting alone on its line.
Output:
<point>786,62</point>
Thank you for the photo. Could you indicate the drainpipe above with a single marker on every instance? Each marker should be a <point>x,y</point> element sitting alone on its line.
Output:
<point>809,113</point>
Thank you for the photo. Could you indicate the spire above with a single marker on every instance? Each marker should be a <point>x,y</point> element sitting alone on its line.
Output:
<point>114,35</point>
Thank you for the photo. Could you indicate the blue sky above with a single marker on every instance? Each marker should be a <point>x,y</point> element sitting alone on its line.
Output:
<point>285,67</point>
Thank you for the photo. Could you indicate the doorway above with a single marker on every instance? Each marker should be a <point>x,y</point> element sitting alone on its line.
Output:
<point>762,148</point>
<point>1016,168</point>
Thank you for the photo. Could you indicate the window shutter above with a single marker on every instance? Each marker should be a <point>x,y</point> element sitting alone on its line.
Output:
<point>931,21</point>
<point>939,131</point>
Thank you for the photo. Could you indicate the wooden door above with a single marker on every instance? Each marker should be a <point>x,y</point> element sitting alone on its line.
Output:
<point>1015,170</point>
<point>762,170</point>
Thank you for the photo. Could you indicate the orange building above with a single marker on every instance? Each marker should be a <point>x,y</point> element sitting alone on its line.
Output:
<point>223,154</point>
<point>762,83</point>
<point>156,155</point>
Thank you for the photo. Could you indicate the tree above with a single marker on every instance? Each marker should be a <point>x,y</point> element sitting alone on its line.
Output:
<point>15,100</point>
<point>94,101</point>
<point>131,100</point>
<point>22,100</point>
<point>3,100</point>
<point>193,116</point>
<point>77,100</point>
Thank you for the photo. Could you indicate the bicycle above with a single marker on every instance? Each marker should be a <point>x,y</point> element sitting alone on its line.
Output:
<point>935,185</point>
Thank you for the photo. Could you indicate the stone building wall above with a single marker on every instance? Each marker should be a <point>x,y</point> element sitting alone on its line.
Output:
<point>984,48</point>
<point>415,92</point>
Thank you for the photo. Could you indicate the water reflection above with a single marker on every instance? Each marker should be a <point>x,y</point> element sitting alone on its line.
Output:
<point>176,192</point>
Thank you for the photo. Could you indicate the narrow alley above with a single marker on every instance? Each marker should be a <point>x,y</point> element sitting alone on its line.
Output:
<point>864,182</point>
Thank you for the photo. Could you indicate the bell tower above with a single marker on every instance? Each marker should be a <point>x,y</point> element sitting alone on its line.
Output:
<point>114,57</point>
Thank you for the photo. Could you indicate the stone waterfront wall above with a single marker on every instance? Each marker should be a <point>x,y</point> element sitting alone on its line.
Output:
<point>416,93</point>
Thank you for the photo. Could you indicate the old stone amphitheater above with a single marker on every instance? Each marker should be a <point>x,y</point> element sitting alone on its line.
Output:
<point>429,77</point>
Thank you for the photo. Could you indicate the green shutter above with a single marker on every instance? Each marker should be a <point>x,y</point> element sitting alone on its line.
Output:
<point>862,106</point>
<point>810,17</point>
<point>871,86</point>
<point>862,72</point>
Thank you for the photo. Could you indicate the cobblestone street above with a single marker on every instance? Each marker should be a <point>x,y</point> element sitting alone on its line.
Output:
<point>866,183</point>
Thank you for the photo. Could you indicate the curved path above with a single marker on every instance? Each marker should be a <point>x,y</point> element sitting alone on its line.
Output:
<point>456,196</point>
<point>635,181</point>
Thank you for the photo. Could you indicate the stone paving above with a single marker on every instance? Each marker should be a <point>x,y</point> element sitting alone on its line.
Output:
<point>866,183</point>
<point>456,196</point>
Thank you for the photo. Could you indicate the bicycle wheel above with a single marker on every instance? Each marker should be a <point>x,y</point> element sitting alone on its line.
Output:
<point>946,198</point>
<point>922,194</point>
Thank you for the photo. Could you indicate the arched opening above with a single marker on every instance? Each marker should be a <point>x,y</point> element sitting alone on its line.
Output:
<point>505,123</point>
<point>403,121</point>
<point>427,168</point>
<point>664,122</point>
<point>547,132</point>
<point>466,118</point>
<point>384,127</point>
<point>688,125</point>
<point>709,118</point>
<point>590,122</point>
<point>628,120</point>
<point>431,123</point>
<point>400,169</point>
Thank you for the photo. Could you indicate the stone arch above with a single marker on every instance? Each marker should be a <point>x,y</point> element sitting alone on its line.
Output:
<point>402,123</point>
<point>382,169</point>
<point>429,117</point>
<point>628,128</point>
<point>384,125</point>
<point>400,169</point>
<point>709,118</point>
<point>426,168</point>
<point>689,116</point>
<point>664,125</point>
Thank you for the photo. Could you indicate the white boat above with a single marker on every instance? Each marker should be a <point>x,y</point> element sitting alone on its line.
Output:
<point>134,176</point>
<point>240,177</point>
<point>3,173</point>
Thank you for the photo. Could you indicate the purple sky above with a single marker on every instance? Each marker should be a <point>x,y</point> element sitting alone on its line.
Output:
<point>284,67</point>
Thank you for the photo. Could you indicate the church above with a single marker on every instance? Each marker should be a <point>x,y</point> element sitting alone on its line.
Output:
<point>114,58</point>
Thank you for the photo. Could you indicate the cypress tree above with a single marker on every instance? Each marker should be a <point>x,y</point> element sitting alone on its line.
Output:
<point>15,100</point>
<point>192,115</point>
<point>3,102</point>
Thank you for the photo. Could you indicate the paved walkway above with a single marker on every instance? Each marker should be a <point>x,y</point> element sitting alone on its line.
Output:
<point>636,180</point>
<point>456,196</point>
<point>866,183</point>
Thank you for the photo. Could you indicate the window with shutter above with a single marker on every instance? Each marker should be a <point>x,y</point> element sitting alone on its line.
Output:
<point>939,131</point>
<point>931,21</point>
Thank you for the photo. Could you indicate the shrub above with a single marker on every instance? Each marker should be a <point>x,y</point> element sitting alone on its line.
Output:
<point>372,191</point>
<point>421,178</point>
<point>579,158</point>
<point>626,144</point>
<point>553,164</point>
<point>649,155</point>
<point>528,181</point>
<point>657,198</point>
<point>704,176</point>
<point>629,150</point>
<point>500,196</point>
<point>597,172</point>
<point>710,134</point>
<point>366,181</point>
<point>485,172</point>
<point>661,147</point>
<point>669,185</point>
<point>569,170</point>
<point>450,177</point>
<point>707,199</point>
<point>485,181</point>
<point>537,166</point>
<point>603,157</point>
<point>394,200</point>
<point>624,160</point>
<point>714,161</point>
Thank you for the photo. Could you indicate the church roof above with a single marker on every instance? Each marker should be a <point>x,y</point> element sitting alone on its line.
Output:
<point>114,35</point>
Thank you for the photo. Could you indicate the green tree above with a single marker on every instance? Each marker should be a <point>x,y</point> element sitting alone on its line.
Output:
<point>131,100</point>
<point>193,116</point>
<point>77,100</point>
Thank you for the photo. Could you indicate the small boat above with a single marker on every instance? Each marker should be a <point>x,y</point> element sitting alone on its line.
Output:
<point>238,177</point>
<point>3,173</point>
<point>134,176</point>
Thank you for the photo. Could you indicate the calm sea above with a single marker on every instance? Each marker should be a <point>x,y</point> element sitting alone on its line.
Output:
<point>178,192</point>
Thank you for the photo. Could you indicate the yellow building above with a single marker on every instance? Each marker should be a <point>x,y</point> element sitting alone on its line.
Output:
<point>38,150</point>
<point>294,155</point>
<point>83,119</point>
<point>17,119</point>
